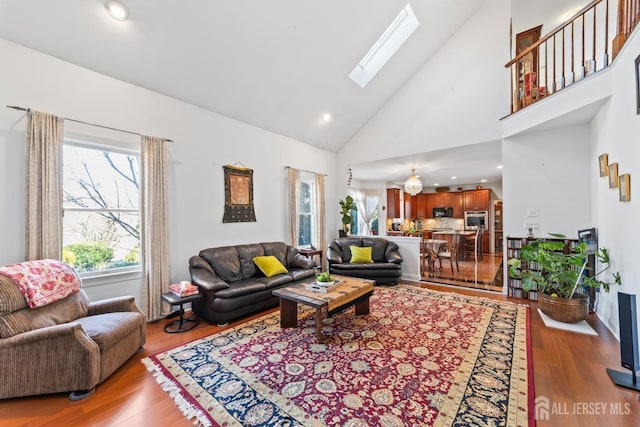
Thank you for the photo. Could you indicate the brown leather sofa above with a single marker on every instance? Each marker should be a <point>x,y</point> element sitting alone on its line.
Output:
<point>232,286</point>
<point>71,345</point>
<point>385,269</point>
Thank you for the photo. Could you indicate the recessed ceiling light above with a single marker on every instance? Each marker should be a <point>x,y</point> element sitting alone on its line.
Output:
<point>118,10</point>
<point>483,180</point>
<point>454,177</point>
<point>436,184</point>
<point>326,117</point>
<point>499,167</point>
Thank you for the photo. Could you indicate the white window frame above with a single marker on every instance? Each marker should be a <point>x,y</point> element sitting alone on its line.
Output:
<point>96,278</point>
<point>313,215</point>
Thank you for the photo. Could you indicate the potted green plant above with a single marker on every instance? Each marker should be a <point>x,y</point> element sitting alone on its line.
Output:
<point>559,274</point>
<point>346,207</point>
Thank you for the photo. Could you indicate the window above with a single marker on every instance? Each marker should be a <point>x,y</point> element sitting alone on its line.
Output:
<point>383,49</point>
<point>101,206</point>
<point>356,222</point>
<point>307,212</point>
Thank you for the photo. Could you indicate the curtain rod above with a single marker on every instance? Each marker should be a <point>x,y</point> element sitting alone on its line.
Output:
<point>304,170</point>
<point>85,123</point>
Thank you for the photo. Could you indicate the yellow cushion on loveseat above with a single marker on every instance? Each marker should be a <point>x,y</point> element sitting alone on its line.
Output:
<point>269,265</point>
<point>361,255</point>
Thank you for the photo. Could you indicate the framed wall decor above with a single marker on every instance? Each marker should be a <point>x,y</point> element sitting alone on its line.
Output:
<point>638,85</point>
<point>238,194</point>
<point>613,175</point>
<point>625,187</point>
<point>603,161</point>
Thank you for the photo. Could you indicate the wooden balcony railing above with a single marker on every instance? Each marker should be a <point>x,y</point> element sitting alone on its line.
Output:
<point>572,51</point>
<point>628,17</point>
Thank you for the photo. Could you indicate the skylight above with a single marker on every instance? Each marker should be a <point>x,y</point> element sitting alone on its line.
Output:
<point>389,42</point>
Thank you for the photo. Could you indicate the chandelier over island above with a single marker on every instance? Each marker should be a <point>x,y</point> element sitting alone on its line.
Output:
<point>413,185</point>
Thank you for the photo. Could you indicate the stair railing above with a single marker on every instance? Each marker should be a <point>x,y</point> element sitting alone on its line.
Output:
<point>574,50</point>
<point>628,17</point>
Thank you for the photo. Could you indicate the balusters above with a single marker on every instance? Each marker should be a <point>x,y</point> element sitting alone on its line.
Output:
<point>530,88</point>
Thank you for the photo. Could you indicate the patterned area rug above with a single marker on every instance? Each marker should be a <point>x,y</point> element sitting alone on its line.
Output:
<point>421,358</point>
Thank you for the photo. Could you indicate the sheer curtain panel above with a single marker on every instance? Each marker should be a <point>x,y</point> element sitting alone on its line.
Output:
<point>367,202</point>
<point>155,234</point>
<point>43,234</point>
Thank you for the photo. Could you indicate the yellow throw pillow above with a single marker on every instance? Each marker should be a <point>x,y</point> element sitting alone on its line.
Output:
<point>360,255</point>
<point>269,265</point>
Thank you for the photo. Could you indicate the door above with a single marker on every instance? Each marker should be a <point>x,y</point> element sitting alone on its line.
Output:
<point>527,69</point>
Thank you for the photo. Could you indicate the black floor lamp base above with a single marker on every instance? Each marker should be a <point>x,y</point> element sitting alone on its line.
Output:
<point>623,379</point>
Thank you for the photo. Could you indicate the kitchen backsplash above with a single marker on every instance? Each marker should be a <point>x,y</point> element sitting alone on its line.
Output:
<point>431,223</point>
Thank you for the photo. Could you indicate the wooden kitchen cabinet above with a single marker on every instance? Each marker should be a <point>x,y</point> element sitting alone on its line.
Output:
<point>409,206</point>
<point>476,200</point>
<point>482,199</point>
<point>457,203</point>
<point>393,203</point>
<point>422,210</point>
<point>470,200</point>
<point>485,243</point>
<point>441,200</point>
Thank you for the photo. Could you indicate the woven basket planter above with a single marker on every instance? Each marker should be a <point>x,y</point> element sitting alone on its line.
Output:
<point>563,309</point>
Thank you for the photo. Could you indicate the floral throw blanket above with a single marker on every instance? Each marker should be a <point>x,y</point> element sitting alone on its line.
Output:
<point>43,281</point>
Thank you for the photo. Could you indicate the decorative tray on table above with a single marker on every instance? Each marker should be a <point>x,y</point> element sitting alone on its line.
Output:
<point>322,287</point>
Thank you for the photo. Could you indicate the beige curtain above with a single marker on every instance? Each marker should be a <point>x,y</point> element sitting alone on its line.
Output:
<point>155,233</point>
<point>321,224</point>
<point>43,234</point>
<point>294,205</point>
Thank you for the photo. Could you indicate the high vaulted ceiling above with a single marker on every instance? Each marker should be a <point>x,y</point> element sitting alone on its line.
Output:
<point>276,64</point>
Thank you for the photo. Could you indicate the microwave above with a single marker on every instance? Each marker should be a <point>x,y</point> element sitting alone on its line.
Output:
<point>442,212</point>
<point>476,219</point>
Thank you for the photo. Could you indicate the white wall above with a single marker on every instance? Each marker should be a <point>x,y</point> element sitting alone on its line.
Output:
<point>409,248</point>
<point>204,142</point>
<point>615,131</point>
<point>548,13</point>
<point>548,171</point>
<point>455,99</point>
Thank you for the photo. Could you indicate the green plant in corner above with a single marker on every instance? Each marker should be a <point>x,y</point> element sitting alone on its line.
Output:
<point>346,207</point>
<point>557,273</point>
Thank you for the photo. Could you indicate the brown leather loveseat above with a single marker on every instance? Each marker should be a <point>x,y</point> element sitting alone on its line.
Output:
<point>232,286</point>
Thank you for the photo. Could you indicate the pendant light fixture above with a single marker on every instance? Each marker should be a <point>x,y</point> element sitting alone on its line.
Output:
<point>413,185</point>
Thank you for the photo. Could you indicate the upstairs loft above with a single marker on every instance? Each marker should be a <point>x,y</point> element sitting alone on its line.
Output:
<point>577,53</point>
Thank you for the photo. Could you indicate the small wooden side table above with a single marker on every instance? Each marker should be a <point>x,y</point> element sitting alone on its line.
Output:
<point>191,322</point>
<point>310,253</point>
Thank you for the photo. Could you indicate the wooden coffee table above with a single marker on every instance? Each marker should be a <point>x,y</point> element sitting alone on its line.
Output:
<point>351,291</point>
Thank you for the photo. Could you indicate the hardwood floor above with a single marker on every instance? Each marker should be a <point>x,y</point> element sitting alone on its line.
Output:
<point>569,369</point>
<point>486,274</point>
